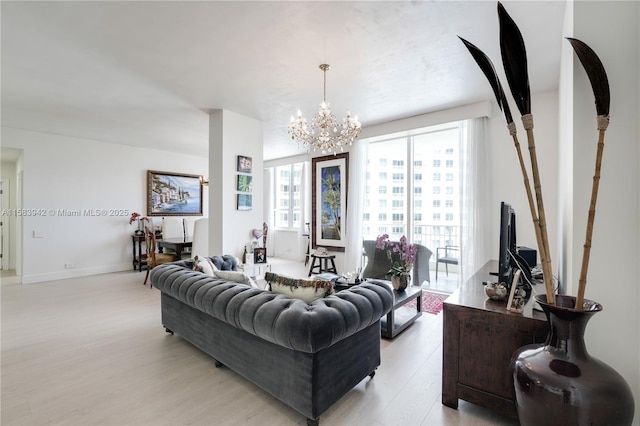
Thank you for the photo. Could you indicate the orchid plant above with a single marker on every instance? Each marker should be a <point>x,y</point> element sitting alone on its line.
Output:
<point>137,217</point>
<point>406,252</point>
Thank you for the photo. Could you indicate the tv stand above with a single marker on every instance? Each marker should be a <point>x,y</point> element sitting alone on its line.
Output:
<point>479,337</point>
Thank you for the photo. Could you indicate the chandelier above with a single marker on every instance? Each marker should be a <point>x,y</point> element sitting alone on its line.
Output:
<point>324,133</point>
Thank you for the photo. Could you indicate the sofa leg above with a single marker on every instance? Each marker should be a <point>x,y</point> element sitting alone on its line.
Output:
<point>168,331</point>
<point>313,422</point>
<point>218,364</point>
<point>373,373</point>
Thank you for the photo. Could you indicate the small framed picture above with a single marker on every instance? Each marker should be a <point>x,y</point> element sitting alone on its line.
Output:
<point>260,255</point>
<point>244,164</point>
<point>244,183</point>
<point>244,201</point>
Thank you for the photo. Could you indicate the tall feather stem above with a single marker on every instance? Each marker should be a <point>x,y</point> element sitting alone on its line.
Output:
<point>527,121</point>
<point>603,123</point>
<point>527,186</point>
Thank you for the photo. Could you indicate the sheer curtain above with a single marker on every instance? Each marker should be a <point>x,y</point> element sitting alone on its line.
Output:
<point>268,207</point>
<point>355,204</point>
<point>475,187</point>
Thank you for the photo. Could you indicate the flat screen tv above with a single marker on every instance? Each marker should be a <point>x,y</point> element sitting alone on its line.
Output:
<point>509,261</point>
<point>507,243</point>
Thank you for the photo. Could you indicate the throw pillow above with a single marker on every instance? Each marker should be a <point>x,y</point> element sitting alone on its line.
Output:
<point>236,276</point>
<point>303,289</point>
<point>204,265</point>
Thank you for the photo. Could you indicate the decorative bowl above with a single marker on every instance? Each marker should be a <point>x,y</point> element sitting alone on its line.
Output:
<point>495,291</point>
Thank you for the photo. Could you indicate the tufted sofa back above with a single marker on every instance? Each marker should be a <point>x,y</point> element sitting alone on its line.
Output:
<point>277,318</point>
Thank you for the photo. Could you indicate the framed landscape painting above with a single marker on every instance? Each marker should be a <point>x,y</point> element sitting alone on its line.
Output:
<point>329,201</point>
<point>173,194</point>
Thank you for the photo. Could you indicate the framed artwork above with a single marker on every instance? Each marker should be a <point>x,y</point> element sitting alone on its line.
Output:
<point>260,255</point>
<point>244,164</point>
<point>244,201</point>
<point>244,183</point>
<point>329,183</point>
<point>173,194</point>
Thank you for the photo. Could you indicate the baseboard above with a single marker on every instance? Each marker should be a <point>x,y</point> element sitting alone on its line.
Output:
<point>73,273</point>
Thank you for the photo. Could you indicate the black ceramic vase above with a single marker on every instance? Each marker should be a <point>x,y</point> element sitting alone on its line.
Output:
<point>559,383</point>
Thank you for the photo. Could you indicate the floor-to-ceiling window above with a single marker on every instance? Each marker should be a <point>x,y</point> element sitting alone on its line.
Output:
<point>413,188</point>
<point>287,195</point>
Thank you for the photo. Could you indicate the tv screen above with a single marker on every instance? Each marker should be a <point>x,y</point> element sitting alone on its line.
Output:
<point>507,243</point>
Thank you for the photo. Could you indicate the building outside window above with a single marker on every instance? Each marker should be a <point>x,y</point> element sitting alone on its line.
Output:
<point>414,163</point>
<point>397,230</point>
<point>287,197</point>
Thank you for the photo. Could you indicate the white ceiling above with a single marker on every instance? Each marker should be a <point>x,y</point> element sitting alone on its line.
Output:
<point>147,73</point>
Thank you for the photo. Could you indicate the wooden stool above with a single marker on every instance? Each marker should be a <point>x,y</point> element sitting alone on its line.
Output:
<point>321,263</point>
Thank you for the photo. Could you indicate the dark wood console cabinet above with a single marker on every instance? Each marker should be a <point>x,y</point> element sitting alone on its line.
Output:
<point>479,337</point>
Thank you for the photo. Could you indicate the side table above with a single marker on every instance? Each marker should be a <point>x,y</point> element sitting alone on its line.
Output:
<point>320,264</point>
<point>139,259</point>
<point>255,270</point>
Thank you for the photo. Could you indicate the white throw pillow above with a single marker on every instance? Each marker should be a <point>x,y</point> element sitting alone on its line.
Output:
<point>236,276</point>
<point>303,289</point>
<point>306,294</point>
<point>204,265</point>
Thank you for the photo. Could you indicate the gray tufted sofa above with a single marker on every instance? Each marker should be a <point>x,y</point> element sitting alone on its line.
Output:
<point>306,355</point>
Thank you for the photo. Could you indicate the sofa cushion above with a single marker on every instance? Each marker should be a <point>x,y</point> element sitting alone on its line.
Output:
<point>236,276</point>
<point>303,289</point>
<point>204,265</point>
<point>225,262</point>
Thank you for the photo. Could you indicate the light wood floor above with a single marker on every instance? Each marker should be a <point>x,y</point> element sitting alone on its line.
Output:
<point>92,351</point>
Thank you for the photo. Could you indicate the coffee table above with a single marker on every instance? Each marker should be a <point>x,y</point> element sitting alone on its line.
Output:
<point>401,316</point>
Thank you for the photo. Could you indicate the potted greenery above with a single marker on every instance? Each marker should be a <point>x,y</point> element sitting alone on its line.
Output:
<point>402,254</point>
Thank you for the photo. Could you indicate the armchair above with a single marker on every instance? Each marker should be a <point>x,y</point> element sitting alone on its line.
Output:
<point>377,263</point>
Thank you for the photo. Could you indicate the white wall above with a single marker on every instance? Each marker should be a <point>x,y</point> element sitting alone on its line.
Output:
<point>230,135</point>
<point>65,173</point>
<point>506,175</point>
<point>611,30</point>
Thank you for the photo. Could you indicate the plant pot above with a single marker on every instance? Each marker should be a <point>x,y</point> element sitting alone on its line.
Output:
<point>400,282</point>
<point>559,383</point>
